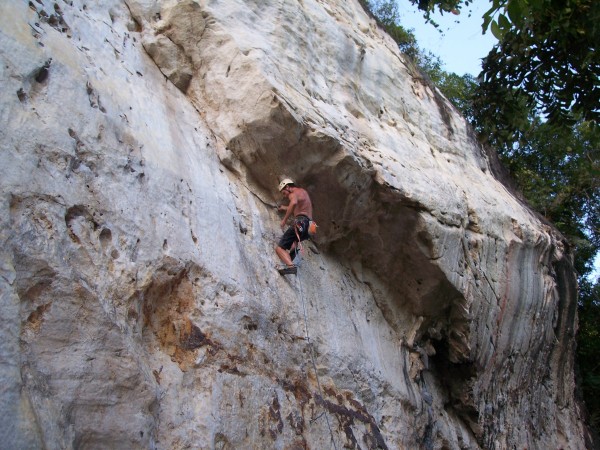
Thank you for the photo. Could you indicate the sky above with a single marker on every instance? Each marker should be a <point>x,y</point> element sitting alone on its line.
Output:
<point>460,45</point>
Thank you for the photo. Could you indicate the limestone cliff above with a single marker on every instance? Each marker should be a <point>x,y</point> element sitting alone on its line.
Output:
<point>141,145</point>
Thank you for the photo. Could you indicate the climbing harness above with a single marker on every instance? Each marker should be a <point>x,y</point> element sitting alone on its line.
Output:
<point>311,232</point>
<point>299,248</point>
<point>312,358</point>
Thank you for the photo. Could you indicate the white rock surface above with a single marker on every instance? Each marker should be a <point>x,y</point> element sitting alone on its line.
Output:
<point>141,144</point>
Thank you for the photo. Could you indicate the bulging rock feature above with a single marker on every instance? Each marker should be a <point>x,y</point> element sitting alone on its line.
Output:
<point>142,144</point>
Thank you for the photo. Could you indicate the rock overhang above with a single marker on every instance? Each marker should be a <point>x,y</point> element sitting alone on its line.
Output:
<point>388,192</point>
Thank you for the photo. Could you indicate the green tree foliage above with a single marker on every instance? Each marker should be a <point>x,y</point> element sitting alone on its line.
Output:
<point>456,88</point>
<point>387,15</point>
<point>547,57</point>
<point>547,52</point>
<point>429,6</point>
<point>558,170</point>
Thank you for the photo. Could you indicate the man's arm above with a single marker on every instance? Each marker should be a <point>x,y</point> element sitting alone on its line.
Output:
<point>290,209</point>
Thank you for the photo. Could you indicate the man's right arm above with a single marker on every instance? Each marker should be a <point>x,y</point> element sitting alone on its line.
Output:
<point>290,209</point>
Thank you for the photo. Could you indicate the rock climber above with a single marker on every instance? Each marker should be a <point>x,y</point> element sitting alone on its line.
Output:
<point>300,208</point>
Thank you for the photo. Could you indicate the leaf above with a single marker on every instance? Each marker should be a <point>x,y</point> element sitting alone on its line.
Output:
<point>504,23</point>
<point>487,18</point>
<point>515,12</point>
<point>535,4</point>
<point>496,31</point>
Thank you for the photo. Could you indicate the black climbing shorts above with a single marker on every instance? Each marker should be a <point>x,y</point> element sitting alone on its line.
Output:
<point>289,237</point>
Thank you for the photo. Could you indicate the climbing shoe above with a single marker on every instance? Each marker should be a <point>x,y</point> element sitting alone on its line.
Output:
<point>287,270</point>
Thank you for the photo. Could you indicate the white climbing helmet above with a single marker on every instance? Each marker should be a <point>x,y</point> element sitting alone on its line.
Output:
<point>284,183</point>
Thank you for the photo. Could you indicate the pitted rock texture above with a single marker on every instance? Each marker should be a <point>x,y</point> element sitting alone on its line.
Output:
<point>142,141</point>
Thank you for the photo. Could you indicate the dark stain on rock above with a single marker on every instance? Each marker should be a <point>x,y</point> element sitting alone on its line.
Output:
<point>22,95</point>
<point>232,370</point>
<point>346,419</point>
<point>195,339</point>
<point>35,319</point>
<point>167,303</point>
<point>275,417</point>
<point>296,422</point>
<point>249,324</point>
<point>35,280</point>
<point>299,389</point>
<point>345,415</point>
<point>43,72</point>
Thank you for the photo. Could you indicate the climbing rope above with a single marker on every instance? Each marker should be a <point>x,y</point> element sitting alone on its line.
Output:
<point>312,356</point>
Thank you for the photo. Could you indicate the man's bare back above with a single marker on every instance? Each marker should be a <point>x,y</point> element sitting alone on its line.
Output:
<point>303,204</point>
<point>299,204</point>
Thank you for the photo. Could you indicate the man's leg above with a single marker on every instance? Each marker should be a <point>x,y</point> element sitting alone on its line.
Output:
<point>285,243</point>
<point>284,256</point>
<point>294,251</point>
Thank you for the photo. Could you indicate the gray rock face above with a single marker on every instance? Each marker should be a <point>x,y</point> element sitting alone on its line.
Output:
<point>141,145</point>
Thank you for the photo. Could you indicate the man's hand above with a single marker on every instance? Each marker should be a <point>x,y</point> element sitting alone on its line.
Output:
<point>282,224</point>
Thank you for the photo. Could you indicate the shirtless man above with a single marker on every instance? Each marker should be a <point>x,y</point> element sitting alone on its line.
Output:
<point>300,207</point>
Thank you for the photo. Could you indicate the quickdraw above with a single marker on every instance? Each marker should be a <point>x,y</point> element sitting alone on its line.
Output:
<point>299,248</point>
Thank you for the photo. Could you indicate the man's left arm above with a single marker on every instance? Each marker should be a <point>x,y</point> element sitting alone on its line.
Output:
<point>290,209</point>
